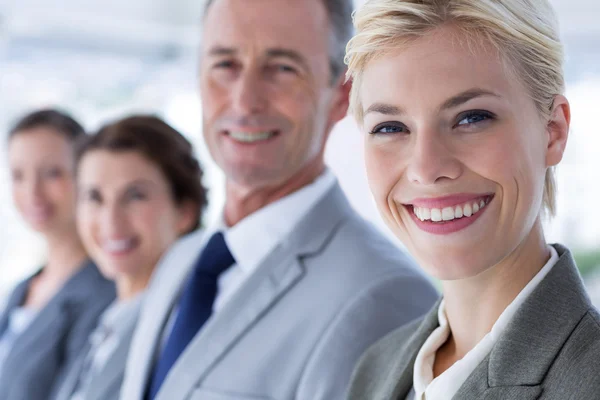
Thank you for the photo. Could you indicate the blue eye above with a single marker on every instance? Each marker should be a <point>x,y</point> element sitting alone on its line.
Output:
<point>389,128</point>
<point>474,117</point>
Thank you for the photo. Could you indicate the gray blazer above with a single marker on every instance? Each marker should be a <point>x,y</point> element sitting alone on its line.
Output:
<point>55,337</point>
<point>107,385</point>
<point>297,326</point>
<point>550,350</point>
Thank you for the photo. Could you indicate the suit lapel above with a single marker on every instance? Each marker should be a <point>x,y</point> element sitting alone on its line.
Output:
<point>400,376</point>
<point>15,300</point>
<point>518,363</point>
<point>68,385</point>
<point>276,275</point>
<point>57,315</point>
<point>162,295</point>
<point>113,370</point>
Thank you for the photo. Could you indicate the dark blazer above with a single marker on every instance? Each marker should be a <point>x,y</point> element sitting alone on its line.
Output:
<point>55,337</point>
<point>550,350</point>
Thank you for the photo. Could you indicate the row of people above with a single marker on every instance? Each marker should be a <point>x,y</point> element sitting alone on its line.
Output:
<point>122,196</point>
<point>462,108</point>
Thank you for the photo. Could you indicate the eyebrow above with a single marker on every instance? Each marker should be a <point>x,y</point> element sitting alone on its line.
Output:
<point>385,109</point>
<point>453,102</point>
<point>466,96</point>
<point>270,53</point>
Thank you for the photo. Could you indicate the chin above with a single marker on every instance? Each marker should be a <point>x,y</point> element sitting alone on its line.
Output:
<point>448,267</point>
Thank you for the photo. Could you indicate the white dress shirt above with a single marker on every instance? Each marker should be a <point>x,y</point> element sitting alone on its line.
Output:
<point>446,385</point>
<point>251,240</point>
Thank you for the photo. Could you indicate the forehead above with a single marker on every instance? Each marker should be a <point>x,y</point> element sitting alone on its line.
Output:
<point>40,143</point>
<point>435,67</point>
<point>257,25</point>
<point>116,168</point>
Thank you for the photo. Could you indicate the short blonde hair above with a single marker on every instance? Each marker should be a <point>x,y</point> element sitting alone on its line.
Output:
<point>524,32</point>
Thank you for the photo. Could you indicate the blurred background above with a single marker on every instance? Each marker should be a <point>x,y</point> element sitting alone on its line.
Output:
<point>101,59</point>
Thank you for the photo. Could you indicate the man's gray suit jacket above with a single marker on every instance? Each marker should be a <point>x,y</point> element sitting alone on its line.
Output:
<point>297,326</point>
<point>550,350</point>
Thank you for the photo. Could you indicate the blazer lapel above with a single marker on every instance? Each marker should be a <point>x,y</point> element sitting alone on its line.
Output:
<point>281,270</point>
<point>400,377</point>
<point>70,381</point>
<point>113,371</point>
<point>518,363</point>
<point>15,300</point>
<point>162,295</point>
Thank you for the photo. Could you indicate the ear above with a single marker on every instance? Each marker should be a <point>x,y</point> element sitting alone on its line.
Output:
<point>341,100</point>
<point>558,130</point>
<point>188,217</point>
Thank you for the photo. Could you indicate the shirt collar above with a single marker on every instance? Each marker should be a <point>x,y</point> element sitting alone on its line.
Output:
<point>117,316</point>
<point>452,379</point>
<point>253,238</point>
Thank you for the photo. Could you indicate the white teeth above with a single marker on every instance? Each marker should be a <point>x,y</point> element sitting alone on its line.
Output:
<point>458,212</point>
<point>118,245</point>
<point>436,215</point>
<point>426,214</point>
<point>467,210</point>
<point>251,137</point>
<point>448,214</point>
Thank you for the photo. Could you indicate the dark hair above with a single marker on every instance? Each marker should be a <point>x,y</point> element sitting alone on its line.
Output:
<point>54,119</point>
<point>340,19</point>
<point>159,143</point>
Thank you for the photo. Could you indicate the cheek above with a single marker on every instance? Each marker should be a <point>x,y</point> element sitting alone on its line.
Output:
<point>383,172</point>
<point>87,227</point>
<point>160,229</point>
<point>61,190</point>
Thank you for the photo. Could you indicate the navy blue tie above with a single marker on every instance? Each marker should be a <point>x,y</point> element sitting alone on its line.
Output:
<point>195,306</point>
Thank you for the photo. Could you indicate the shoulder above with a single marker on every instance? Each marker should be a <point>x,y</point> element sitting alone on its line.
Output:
<point>375,367</point>
<point>386,352</point>
<point>576,367</point>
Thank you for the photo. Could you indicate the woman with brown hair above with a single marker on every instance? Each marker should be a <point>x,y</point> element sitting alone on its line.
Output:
<point>139,191</point>
<point>49,315</point>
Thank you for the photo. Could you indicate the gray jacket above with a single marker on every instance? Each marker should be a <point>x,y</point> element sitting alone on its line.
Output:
<point>297,326</point>
<point>107,384</point>
<point>41,355</point>
<point>550,350</point>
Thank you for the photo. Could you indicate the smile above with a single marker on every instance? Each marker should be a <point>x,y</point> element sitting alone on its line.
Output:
<point>251,137</point>
<point>453,216</point>
<point>464,210</point>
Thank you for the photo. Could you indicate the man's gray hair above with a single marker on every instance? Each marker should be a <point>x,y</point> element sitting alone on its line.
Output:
<point>340,19</point>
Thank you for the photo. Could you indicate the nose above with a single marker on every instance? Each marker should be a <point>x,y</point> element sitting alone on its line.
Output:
<point>35,188</point>
<point>249,93</point>
<point>432,160</point>
<point>112,219</point>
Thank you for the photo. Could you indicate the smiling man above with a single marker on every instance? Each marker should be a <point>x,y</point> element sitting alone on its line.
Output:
<point>280,298</point>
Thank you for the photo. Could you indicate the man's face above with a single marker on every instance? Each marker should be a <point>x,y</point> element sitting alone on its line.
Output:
<point>267,94</point>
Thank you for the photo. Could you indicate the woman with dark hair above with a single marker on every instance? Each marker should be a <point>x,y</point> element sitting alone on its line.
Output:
<point>50,315</point>
<point>139,191</point>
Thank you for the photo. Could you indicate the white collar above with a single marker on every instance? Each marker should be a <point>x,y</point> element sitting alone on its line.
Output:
<point>253,238</point>
<point>449,382</point>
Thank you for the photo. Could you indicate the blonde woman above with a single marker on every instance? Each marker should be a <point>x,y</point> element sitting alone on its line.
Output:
<point>464,118</point>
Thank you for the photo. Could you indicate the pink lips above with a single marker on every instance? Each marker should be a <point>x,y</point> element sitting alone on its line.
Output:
<point>455,225</point>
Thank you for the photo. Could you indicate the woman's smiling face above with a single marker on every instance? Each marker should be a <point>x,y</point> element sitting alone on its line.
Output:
<point>456,152</point>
